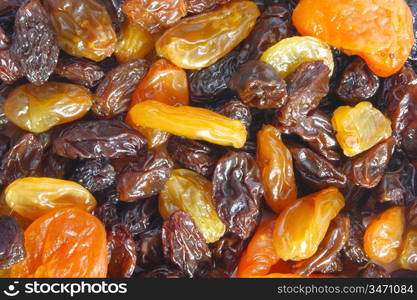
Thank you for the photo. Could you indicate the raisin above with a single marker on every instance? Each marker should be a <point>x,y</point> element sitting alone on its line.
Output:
<point>373,271</point>
<point>193,155</point>
<point>149,249</point>
<point>112,96</point>
<point>226,253</point>
<point>107,210</point>
<point>184,244</point>
<point>353,248</point>
<point>210,84</point>
<point>80,71</point>
<point>139,216</point>
<point>9,70</point>
<point>34,46</point>
<point>276,166</point>
<point>146,177</point>
<point>236,110</point>
<point>259,85</point>
<point>357,83</point>
<point>201,6</point>
<point>83,28</point>
<point>23,159</point>
<point>122,252</point>
<point>4,144</point>
<point>99,139</point>
<point>95,175</point>
<point>316,129</point>
<point>328,250</point>
<point>306,87</point>
<point>315,170</point>
<point>163,272</point>
<point>367,169</point>
<point>154,15</point>
<point>56,166</point>
<point>33,197</point>
<point>273,25</point>
<point>12,249</point>
<point>182,43</point>
<point>237,192</point>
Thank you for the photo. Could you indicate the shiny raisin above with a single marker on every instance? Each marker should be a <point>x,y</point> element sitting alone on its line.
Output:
<point>122,252</point>
<point>12,249</point>
<point>95,174</point>
<point>80,71</point>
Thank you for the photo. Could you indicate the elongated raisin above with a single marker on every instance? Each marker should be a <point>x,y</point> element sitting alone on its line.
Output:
<point>236,110</point>
<point>94,175</point>
<point>11,246</point>
<point>34,46</point>
<point>237,192</point>
<point>149,249</point>
<point>122,252</point>
<point>113,94</point>
<point>80,71</point>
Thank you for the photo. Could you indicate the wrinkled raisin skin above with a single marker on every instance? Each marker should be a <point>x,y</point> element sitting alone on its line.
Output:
<point>11,246</point>
<point>94,175</point>
<point>122,251</point>
<point>80,71</point>
<point>237,192</point>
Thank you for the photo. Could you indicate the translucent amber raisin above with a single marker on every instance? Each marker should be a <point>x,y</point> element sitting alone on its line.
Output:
<point>32,197</point>
<point>199,41</point>
<point>38,108</point>
<point>191,192</point>
<point>83,28</point>
<point>164,82</point>
<point>154,15</point>
<point>408,256</point>
<point>360,128</point>
<point>133,43</point>
<point>277,172</point>
<point>286,55</point>
<point>302,225</point>
<point>383,235</point>
<point>260,254</point>
<point>191,122</point>
<point>67,242</point>
<point>381,32</point>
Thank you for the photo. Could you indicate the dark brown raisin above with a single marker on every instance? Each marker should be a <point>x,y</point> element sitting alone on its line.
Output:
<point>184,244</point>
<point>34,46</point>
<point>149,249</point>
<point>95,174</point>
<point>373,271</point>
<point>112,96</point>
<point>80,71</point>
<point>258,85</point>
<point>139,216</point>
<point>99,139</point>
<point>353,248</point>
<point>122,252</point>
<point>107,210</point>
<point>163,272</point>
<point>200,6</point>
<point>12,248</point>
<point>237,192</point>
<point>236,110</point>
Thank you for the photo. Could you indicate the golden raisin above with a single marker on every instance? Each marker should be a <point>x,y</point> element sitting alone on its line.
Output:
<point>383,235</point>
<point>275,162</point>
<point>381,32</point>
<point>39,108</point>
<point>408,256</point>
<point>191,192</point>
<point>64,243</point>
<point>32,197</point>
<point>199,41</point>
<point>360,128</point>
<point>191,122</point>
<point>133,43</point>
<point>301,226</point>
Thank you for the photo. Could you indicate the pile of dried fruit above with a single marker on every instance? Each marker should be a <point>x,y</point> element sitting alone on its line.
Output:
<point>208,138</point>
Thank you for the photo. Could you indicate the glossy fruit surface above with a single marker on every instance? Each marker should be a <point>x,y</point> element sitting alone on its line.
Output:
<point>408,256</point>
<point>286,55</point>
<point>276,166</point>
<point>188,191</point>
<point>38,108</point>
<point>191,122</point>
<point>383,235</point>
<point>301,226</point>
<point>381,32</point>
<point>65,243</point>
<point>199,41</point>
<point>32,197</point>
<point>360,127</point>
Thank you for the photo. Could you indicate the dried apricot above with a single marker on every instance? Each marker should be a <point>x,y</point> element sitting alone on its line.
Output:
<point>286,55</point>
<point>191,192</point>
<point>301,226</point>
<point>381,32</point>
<point>133,43</point>
<point>191,122</point>
<point>199,41</point>
<point>359,128</point>
<point>275,162</point>
<point>68,243</point>
<point>32,197</point>
<point>38,108</point>
<point>383,235</point>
